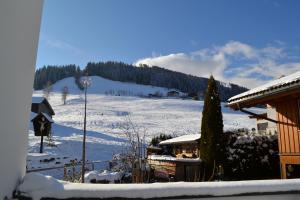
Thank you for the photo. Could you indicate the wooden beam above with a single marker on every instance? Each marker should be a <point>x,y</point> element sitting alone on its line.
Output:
<point>257,115</point>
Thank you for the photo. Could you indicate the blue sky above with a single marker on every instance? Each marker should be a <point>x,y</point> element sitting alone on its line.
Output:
<point>247,42</point>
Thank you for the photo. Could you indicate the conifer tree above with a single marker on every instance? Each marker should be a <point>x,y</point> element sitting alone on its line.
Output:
<point>211,130</point>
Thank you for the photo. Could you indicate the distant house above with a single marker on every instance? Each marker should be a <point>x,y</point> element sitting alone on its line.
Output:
<point>185,146</point>
<point>283,95</point>
<point>173,93</point>
<point>263,126</point>
<point>183,163</point>
<point>156,94</point>
<point>152,150</point>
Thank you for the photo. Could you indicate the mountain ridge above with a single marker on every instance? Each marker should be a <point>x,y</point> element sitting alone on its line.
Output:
<point>142,75</point>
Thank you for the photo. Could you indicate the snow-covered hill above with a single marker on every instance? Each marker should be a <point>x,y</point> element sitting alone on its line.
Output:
<point>108,115</point>
<point>101,85</point>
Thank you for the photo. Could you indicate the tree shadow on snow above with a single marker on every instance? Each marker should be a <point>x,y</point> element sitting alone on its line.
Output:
<point>66,131</point>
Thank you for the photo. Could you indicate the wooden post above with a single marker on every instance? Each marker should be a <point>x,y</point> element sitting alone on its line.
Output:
<point>42,144</point>
<point>283,170</point>
<point>65,172</point>
<point>86,84</point>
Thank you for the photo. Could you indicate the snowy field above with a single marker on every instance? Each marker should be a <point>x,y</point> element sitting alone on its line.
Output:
<point>106,117</point>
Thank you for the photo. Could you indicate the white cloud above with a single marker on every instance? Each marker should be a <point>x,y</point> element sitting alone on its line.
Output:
<point>62,45</point>
<point>234,62</point>
<point>185,63</point>
<point>238,48</point>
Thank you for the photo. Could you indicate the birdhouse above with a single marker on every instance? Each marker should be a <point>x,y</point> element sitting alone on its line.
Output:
<point>42,124</point>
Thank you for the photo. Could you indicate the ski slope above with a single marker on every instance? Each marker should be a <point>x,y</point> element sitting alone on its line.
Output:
<point>108,115</point>
<point>101,85</point>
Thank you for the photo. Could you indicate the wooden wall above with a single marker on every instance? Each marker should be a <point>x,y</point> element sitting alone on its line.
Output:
<point>288,126</point>
<point>289,131</point>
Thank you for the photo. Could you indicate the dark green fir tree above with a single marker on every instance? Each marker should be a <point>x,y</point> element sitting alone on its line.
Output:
<point>211,130</point>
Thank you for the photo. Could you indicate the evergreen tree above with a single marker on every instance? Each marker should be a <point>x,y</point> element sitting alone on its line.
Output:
<point>211,130</point>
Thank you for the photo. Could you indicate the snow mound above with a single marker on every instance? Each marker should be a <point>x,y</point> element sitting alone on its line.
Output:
<point>35,182</point>
<point>36,187</point>
<point>104,176</point>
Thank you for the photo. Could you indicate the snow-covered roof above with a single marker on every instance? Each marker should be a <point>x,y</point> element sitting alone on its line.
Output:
<point>275,86</point>
<point>38,99</point>
<point>34,115</point>
<point>171,158</point>
<point>154,147</point>
<point>47,117</point>
<point>182,139</point>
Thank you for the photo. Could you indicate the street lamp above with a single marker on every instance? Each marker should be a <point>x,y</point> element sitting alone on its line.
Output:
<point>86,82</point>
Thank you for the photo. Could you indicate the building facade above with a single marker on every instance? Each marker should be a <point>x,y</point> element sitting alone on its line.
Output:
<point>283,95</point>
<point>182,162</point>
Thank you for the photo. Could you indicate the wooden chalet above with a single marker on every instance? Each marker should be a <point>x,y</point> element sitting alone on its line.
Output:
<point>173,93</point>
<point>186,146</point>
<point>283,95</point>
<point>183,163</point>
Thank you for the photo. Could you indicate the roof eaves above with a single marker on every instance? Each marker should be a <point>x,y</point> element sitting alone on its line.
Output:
<point>263,93</point>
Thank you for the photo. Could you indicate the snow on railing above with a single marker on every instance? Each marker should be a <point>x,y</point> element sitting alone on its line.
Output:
<point>38,186</point>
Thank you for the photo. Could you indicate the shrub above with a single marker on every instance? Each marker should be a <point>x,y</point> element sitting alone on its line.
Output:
<point>250,156</point>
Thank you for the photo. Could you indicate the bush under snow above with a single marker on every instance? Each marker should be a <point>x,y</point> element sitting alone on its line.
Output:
<point>251,156</point>
<point>103,177</point>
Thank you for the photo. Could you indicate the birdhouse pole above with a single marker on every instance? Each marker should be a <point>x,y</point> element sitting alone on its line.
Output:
<point>42,129</point>
<point>42,144</point>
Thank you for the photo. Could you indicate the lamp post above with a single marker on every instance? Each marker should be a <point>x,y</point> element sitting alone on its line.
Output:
<point>86,82</point>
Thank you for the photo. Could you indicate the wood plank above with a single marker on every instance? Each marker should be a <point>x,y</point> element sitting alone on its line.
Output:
<point>284,129</point>
<point>281,130</point>
<point>297,122</point>
<point>278,129</point>
<point>290,159</point>
<point>294,116</point>
<point>289,126</point>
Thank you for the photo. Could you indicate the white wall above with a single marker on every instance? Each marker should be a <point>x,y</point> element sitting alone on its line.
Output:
<point>19,32</point>
<point>272,114</point>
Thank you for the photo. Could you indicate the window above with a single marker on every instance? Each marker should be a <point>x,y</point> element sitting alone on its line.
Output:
<point>292,171</point>
<point>262,126</point>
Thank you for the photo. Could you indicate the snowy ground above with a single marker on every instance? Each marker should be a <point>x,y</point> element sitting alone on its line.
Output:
<point>105,117</point>
<point>37,186</point>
